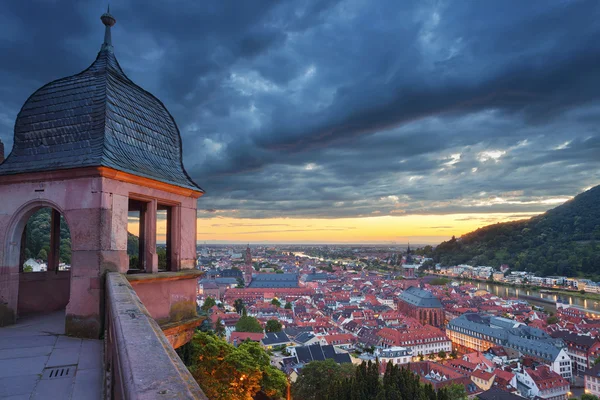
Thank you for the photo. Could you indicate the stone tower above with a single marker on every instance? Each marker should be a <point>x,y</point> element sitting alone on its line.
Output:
<point>94,147</point>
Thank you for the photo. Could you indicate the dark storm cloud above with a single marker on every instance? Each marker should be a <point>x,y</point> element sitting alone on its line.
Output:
<point>346,108</point>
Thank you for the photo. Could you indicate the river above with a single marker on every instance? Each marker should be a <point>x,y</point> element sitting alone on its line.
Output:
<point>509,291</point>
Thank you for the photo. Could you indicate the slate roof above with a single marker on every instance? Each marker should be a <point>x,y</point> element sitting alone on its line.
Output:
<point>420,298</point>
<point>274,281</point>
<point>497,394</point>
<point>527,340</point>
<point>272,284</point>
<point>275,338</point>
<point>98,118</point>
<point>276,277</point>
<point>321,276</point>
<point>475,323</point>
<point>304,337</point>
<point>316,352</point>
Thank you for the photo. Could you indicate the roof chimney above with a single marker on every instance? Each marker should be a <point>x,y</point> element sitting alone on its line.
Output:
<point>1,152</point>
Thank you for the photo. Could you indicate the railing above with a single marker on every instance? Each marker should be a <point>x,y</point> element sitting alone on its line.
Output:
<point>139,360</point>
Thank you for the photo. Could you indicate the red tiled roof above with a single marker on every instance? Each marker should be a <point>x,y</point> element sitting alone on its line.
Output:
<point>238,337</point>
<point>545,378</point>
<point>486,376</point>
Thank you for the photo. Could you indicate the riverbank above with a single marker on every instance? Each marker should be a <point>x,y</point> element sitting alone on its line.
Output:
<point>558,292</point>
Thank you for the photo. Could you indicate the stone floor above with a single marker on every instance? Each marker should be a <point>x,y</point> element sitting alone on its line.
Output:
<point>37,361</point>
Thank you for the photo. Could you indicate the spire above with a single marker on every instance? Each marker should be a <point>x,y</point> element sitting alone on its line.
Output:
<point>109,21</point>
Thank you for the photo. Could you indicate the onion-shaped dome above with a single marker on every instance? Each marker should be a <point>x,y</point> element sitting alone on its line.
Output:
<point>98,118</point>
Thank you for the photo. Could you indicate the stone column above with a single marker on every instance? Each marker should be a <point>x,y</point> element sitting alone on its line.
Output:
<point>150,256</point>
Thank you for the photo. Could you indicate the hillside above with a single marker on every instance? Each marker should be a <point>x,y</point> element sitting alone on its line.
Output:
<point>562,241</point>
<point>37,239</point>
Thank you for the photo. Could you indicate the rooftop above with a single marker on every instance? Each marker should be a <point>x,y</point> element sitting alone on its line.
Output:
<point>98,118</point>
<point>420,298</point>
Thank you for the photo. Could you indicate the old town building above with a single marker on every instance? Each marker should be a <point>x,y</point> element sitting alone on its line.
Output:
<point>421,305</point>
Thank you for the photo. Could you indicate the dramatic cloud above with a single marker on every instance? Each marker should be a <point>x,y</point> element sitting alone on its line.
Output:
<point>346,108</point>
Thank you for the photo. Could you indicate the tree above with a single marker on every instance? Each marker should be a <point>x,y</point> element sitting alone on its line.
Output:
<point>42,255</point>
<point>27,268</point>
<point>276,303</point>
<point>248,324</point>
<point>219,327</point>
<point>161,252</point>
<point>314,381</point>
<point>240,283</point>
<point>453,354</point>
<point>208,304</point>
<point>134,262</point>
<point>588,396</point>
<point>552,320</point>
<point>238,305</point>
<point>442,354</point>
<point>273,326</point>
<point>225,372</point>
<point>431,356</point>
<point>421,357</point>
<point>456,392</point>
<point>288,306</point>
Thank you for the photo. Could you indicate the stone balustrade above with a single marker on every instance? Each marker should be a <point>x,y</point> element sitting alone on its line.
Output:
<point>140,362</point>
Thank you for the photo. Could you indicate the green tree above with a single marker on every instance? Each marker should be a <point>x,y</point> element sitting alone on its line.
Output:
<point>225,372</point>
<point>442,355</point>
<point>276,303</point>
<point>134,262</point>
<point>248,324</point>
<point>453,354</point>
<point>161,252</point>
<point>43,255</point>
<point>238,305</point>
<point>240,283</point>
<point>315,379</point>
<point>552,320</point>
<point>27,268</point>
<point>208,304</point>
<point>288,306</point>
<point>219,327</point>
<point>273,326</point>
<point>456,392</point>
<point>588,396</point>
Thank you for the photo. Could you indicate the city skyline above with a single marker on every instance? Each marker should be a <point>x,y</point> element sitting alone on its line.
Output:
<point>344,122</point>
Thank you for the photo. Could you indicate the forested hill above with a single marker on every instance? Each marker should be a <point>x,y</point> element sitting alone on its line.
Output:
<point>562,241</point>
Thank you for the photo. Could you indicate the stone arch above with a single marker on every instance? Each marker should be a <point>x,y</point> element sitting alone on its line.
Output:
<point>18,221</point>
<point>17,286</point>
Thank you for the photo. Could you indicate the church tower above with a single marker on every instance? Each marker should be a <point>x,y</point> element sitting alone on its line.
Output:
<point>248,268</point>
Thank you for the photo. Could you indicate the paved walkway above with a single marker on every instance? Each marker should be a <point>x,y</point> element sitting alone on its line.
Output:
<point>37,361</point>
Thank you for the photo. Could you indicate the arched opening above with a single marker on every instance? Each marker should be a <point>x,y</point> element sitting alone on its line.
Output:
<point>44,263</point>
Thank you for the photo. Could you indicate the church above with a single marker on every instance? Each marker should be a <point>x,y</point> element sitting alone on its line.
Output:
<point>421,305</point>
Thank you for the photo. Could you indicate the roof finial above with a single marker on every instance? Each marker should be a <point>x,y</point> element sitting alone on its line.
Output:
<point>108,20</point>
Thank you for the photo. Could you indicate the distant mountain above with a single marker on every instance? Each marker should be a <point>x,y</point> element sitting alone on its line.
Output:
<point>562,241</point>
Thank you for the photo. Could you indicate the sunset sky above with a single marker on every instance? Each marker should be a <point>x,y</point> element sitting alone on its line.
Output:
<point>345,121</point>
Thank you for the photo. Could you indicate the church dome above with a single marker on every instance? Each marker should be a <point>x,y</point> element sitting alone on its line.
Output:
<point>98,118</point>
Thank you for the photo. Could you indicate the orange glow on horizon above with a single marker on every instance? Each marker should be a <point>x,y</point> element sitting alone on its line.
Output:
<point>418,229</point>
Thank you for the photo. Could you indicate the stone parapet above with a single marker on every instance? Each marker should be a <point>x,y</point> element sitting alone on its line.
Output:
<point>140,361</point>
